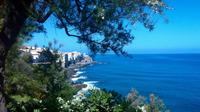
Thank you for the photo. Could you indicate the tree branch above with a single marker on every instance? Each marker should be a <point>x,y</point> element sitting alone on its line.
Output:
<point>44,18</point>
<point>78,4</point>
<point>66,29</point>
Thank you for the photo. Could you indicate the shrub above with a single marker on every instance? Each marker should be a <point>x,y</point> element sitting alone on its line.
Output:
<point>29,87</point>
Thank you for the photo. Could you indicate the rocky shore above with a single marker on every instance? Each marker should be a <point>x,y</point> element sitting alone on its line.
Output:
<point>73,72</point>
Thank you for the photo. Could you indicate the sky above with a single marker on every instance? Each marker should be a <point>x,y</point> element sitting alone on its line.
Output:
<point>180,35</point>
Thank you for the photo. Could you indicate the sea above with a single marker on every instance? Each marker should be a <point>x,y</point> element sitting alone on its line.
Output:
<point>175,78</point>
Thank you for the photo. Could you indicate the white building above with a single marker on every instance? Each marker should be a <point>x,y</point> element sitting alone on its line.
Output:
<point>72,57</point>
<point>35,52</point>
<point>66,58</point>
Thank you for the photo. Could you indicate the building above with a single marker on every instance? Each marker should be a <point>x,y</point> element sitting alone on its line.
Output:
<point>34,51</point>
<point>66,58</point>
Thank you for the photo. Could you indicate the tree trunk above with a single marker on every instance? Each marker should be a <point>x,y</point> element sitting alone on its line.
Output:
<point>16,15</point>
<point>3,54</point>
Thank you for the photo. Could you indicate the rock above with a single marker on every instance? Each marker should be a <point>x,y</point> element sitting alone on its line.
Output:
<point>80,86</point>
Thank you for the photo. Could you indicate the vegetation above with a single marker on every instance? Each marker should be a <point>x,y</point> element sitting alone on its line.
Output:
<point>44,88</point>
<point>110,101</point>
<point>30,87</point>
<point>83,19</point>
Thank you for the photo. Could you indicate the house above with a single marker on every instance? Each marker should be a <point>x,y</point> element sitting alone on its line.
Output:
<point>66,58</point>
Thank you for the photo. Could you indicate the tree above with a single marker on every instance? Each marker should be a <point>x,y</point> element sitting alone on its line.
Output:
<point>100,24</point>
<point>36,86</point>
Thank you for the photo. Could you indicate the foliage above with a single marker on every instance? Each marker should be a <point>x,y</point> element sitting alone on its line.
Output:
<point>103,25</point>
<point>102,101</point>
<point>109,101</point>
<point>100,24</point>
<point>30,87</point>
<point>55,80</point>
<point>156,105</point>
<point>94,101</point>
<point>44,87</point>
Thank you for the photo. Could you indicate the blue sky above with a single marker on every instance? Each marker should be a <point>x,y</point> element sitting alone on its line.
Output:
<point>180,35</point>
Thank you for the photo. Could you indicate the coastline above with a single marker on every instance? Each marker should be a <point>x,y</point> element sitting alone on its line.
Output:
<point>74,73</point>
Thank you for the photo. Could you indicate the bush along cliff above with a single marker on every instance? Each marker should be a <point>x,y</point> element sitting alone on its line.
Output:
<point>110,101</point>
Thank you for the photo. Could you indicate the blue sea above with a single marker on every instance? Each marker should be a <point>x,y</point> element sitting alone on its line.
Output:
<point>175,78</point>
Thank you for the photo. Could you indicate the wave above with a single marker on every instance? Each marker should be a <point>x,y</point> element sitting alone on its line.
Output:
<point>75,79</point>
<point>90,85</point>
<point>76,69</point>
<point>78,73</point>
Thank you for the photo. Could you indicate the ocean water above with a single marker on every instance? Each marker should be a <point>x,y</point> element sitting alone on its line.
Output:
<point>175,78</point>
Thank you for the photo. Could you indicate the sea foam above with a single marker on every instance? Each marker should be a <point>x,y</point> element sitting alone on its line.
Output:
<point>75,79</point>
